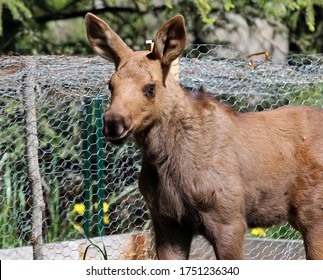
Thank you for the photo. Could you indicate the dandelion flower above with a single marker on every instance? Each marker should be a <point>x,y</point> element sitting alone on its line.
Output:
<point>79,208</point>
<point>105,206</point>
<point>106,219</point>
<point>78,227</point>
<point>258,232</point>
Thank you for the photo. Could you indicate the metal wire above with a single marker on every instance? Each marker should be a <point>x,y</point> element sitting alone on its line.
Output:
<point>75,161</point>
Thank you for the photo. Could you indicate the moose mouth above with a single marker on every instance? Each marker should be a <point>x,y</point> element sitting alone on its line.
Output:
<point>118,141</point>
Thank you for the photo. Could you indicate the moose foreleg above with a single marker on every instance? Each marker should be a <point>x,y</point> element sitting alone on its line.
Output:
<point>172,241</point>
<point>313,242</point>
<point>227,239</point>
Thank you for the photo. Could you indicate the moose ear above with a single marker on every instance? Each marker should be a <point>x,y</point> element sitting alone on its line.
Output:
<point>170,40</point>
<point>104,41</point>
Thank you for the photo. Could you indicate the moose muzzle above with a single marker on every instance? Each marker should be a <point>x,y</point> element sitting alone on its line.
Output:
<point>116,126</point>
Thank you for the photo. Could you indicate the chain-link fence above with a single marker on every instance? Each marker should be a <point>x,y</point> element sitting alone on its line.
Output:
<point>87,203</point>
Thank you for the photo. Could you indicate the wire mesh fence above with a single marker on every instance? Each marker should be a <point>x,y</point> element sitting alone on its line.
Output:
<point>88,186</point>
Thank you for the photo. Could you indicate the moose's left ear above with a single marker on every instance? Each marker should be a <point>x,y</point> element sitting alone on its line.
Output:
<point>104,41</point>
<point>170,40</point>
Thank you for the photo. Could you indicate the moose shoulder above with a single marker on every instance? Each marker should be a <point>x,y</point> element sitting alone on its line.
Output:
<point>207,169</point>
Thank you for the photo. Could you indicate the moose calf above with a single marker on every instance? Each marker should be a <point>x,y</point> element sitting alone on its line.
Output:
<point>207,169</point>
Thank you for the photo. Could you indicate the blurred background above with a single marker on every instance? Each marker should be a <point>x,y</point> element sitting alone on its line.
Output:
<point>57,26</point>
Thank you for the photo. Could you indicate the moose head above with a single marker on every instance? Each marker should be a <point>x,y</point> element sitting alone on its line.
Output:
<point>138,86</point>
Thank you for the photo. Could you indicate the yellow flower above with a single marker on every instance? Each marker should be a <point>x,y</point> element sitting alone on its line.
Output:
<point>105,206</point>
<point>106,219</point>
<point>79,208</point>
<point>78,227</point>
<point>258,232</point>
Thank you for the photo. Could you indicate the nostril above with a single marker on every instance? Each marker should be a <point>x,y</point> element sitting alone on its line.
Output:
<point>115,125</point>
<point>112,126</point>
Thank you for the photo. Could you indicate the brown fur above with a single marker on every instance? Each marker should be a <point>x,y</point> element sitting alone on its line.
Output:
<point>207,169</point>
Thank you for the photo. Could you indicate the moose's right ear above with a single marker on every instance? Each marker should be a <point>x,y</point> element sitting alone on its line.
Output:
<point>104,41</point>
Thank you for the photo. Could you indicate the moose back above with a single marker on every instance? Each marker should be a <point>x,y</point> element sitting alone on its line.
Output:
<point>206,168</point>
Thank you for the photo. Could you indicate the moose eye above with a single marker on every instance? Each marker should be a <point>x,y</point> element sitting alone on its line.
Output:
<point>150,90</point>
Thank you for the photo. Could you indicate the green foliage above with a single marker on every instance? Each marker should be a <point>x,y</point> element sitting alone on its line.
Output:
<point>284,9</point>
<point>310,19</point>
<point>204,9</point>
<point>228,5</point>
<point>13,198</point>
<point>285,231</point>
<point>282,231</point>
<point>169,4</point>
<point>273,9</point>
<point>58,5</point>
<point>35,21</point>
<point>17,8</point>
<point>102,251</point>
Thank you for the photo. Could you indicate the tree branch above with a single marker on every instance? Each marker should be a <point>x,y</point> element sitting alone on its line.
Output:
<point>73,14</point>
<point>32,145</point>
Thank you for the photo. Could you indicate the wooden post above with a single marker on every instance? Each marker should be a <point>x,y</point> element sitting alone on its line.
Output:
<point>174,67</point>
<point>29,97</point>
